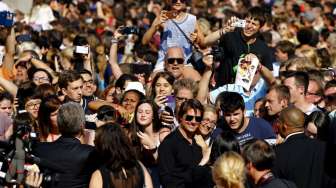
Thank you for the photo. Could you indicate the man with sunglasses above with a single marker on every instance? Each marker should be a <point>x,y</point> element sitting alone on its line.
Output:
<point>179,152</point>
<point>177,28</point>
<point>174,62</point>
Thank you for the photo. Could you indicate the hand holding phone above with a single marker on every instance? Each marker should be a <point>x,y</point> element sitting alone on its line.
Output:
<point>171,14</point>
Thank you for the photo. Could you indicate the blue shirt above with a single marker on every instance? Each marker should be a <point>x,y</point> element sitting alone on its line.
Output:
<point>257,128</point>
<point>259,91</point>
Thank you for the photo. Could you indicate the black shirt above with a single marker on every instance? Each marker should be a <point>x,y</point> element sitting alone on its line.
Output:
<point>177,158</point>
<point>233,46</point>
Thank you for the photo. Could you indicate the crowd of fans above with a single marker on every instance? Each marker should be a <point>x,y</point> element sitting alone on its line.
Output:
<point>144,93</point>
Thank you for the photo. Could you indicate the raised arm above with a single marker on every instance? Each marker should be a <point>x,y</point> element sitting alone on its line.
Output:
<point>8,62</point>
<point>157,24</point>
<point>215,36</point>
<point>40,64</point>
<point>8,86</point>
<point>113,60</point>
<point>203,87</point>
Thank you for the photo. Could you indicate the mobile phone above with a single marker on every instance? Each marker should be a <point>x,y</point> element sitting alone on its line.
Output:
<point>240,23</point>
<point>82,49</point>
<point>171,102</point>
<point>129,30</point>
<point>171,14</point>
<point>169,110</point>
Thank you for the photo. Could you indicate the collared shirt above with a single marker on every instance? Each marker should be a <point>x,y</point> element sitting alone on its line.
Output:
<point>259,91</point>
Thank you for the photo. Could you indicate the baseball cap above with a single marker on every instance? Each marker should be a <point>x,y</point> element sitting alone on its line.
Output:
<point>135,86</point>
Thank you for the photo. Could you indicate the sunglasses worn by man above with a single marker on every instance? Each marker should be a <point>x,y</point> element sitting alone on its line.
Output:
<point>177,60</point>
<point>189,118</point>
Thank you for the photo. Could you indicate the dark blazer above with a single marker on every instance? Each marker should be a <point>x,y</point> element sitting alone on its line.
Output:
<point>301,160</point>
<point>76,161</point>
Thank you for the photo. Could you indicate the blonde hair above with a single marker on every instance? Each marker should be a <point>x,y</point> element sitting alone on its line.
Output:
<point>229,170</point>
<point>300,64</point>
<point>311,54</point>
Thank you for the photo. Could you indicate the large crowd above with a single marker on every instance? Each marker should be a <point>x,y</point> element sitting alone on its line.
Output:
<point>171,94</point>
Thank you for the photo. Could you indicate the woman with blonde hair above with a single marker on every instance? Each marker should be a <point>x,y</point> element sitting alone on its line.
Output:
<point>229,171</point>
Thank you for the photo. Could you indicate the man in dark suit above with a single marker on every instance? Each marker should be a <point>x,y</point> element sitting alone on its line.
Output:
<point>259,158</point>
<point>76,161</point>
<point>299,158</point>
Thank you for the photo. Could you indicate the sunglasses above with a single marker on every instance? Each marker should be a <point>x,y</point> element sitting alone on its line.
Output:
<point>181,1</point>
<point>330,97</point>
<point>178,60</point>
<point>198,119</point>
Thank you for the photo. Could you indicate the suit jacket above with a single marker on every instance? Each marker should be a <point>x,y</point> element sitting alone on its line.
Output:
<point>76,161</point>
<point>301,160</point>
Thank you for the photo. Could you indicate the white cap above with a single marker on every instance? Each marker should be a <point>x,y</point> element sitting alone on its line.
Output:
<point>135,86</point>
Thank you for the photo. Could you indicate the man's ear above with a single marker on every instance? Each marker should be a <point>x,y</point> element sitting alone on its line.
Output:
<point>301,89</point>
<point>284,103</point>
<point>64,91</point>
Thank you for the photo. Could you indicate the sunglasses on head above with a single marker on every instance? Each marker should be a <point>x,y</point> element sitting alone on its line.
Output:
<point>198,119</point>
<point>178,60</point>
<point>181,1</point>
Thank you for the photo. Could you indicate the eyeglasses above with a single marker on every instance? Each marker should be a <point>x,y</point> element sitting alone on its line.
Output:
<point>39,79</point>
<point>212,123</point>
<point>181,1</point>
<point>178,60</point>
<point>181,99</point>
<point>330,97</point>
<point>33,104</point>
<point>198,119</point>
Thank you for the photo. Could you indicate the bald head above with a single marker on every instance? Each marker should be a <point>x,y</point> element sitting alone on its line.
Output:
<point>292,117</point>
<point>174,52</point>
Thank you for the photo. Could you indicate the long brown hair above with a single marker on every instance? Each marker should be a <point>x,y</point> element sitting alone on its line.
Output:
<point>48,105</point>
<point>119,156</point>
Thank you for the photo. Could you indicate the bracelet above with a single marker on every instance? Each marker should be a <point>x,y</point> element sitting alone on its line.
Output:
<point>114,41</point>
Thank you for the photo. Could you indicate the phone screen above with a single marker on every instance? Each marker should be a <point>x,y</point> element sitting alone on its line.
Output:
<point>82,49</point>
<point>171,102</point>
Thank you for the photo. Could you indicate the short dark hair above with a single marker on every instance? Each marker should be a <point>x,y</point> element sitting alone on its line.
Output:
<point>257,13</point>
<point>259,153</point>
<point>120,83</point>
<point>68,77</point>
<point>32,71</point>
<point>190,104</point>
<point>107,113</point>
<point>301,79</point>
<point>282,92</point>
<point>6,95</point>
<point>330,84</point>
<point>84,71</point>
<point>224,142</point>
<point>230,101</point>
<point>287,47</point>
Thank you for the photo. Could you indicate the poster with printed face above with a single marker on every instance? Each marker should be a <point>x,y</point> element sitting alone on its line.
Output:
<point>246,71</point>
